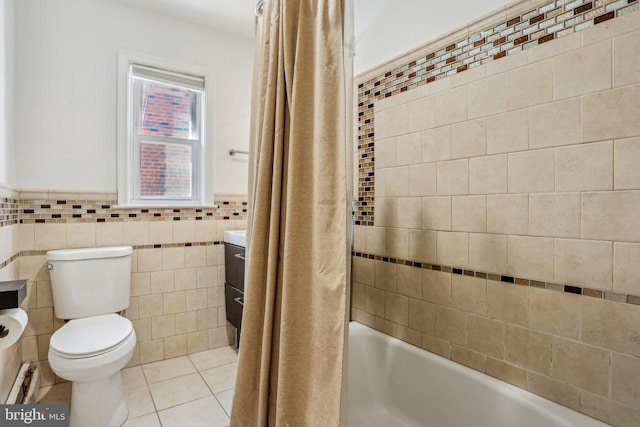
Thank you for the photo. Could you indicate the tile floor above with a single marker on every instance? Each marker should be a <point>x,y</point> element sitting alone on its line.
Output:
<point>194,390</point>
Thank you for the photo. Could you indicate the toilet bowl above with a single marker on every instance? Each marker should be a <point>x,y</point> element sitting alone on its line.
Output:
<point>90,352</point>
<point>90,287</point>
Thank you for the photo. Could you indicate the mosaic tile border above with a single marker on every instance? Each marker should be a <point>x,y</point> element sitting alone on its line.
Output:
<point>135,247</point>
<point>41,211</point>
<point>509,280</point>
<point>549,21</point>
<point>9,211</point>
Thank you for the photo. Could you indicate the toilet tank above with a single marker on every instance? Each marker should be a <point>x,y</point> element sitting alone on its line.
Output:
<point>90,281</point>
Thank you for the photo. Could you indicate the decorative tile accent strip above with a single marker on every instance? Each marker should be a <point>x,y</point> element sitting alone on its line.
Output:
<point>8,261</point>
<point>9,211</point>
<point>69,211</point>
<point>509,280</point>
<point>547,22</point>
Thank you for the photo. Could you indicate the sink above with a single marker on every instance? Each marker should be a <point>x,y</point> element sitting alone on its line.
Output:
<point>236,237</point>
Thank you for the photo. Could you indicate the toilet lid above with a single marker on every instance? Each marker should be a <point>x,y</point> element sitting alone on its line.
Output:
<point>91,336</point>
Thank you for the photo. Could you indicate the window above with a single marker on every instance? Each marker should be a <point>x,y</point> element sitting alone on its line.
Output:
<point>162,151</point>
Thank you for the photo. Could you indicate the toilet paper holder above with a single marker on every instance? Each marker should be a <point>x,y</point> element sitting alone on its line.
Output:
<point>4,331</point>
<point>12,293</point>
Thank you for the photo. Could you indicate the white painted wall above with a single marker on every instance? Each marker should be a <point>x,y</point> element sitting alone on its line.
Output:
<point>66,64</point>
<point>386,29</point>
<point>6,92</point>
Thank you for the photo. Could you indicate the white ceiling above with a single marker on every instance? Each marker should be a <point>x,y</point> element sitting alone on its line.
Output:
<point>233,16</point>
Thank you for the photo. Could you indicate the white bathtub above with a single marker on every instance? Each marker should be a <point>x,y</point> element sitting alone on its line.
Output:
<point>393,384</point>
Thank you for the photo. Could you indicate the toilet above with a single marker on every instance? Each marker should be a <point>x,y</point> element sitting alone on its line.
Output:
<point>91,286</point>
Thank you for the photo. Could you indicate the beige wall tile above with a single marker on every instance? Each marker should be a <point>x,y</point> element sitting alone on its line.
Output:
<point>528,349</point>
<point>175,346</point>
<point>507,63</point>
<point>506,372</point>
<point>555,312</point>
<point>559,46</point>
<point>385,276</point>
<point>582,71</point>
<point>185,278</point>
<point>149,260</point>
<point>436,213</point>
<point>359,233</point>
<point>162,281</point>
<point>436,287</point>
<point>160,232</point>
<point>357,295</point>
<point>609,411</point>
<point>488,253</point>
<point>196,299</point>
<point>453,177</point>
<point>611,114</point>
<point>584,263</point>
<point>397,243</point>
<point>207,277</point>
<point>556,124</point>
<point>611,325</point>
<point>508,303</point>
<point>624,382</point>
<point>184,231</point>
<point>81,235</point>
<point>186,322</point>
<point>468,358</point>
<point>487,97</point>
<point>215,297</point>
<point>50,236</point>
<point>626,275</point>
<point>197,341</point>
<point>530,85</point>
<point>468,139</point>
<point>452,249</point>
<point>530,257</point>
<point>206,231</point>
<point>409,213</point>
<point>531,171</point>
<point>610,29</point>
<point>626,59</point>
<point>436,345</point>
<point>27,237</point>
<point>421,114</point>
<point>436,144</point>
<point>409,281</point>
<point>385,212</point>
<point>374,301</point>
<point>554,215</point>
<point>485,336</point>
<point>363,269</point>
<point>397,182</point>
<point>163,326</point>
<point>215,256</point>
<point>451,325</point>
<point>451,106</point>
<point>391,122</point>
<point>40,321</point>
<point>409,149</point>
<point>135,232</point>
<point>469,294</point>
<point>554,390</point>
<point>508,214</point>
<point>151,351</point>
<point>611,216</point>
<point>385,326</point>
<point>386,153</point>
<point>396,308</point>
<point>374,239</point>
<point>207,319</point>
<point>508,132</point>
<point>469,213</point>
<point>585,167</point>
<point>174,302</point>
<point>422,180</point>
<point>409,335</point>
<point>584,366</point>
<point>422,246</point>
<point>488,175</point>
<point>173,258</point>
<point>422,316</point>
<point>150,305</point>
<point>109,234</point>
<point>627,159</point>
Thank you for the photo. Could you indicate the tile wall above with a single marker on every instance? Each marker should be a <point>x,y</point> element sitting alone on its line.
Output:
<point>177,289</point>
<point>11,357</point>
<point>499,227</point>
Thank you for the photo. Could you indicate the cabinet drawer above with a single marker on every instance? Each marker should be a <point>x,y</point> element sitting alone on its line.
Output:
<point>234,302</point>
<point>234,265</point>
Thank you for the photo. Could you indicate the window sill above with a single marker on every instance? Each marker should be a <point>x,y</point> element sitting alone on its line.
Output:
<point>124,207</point>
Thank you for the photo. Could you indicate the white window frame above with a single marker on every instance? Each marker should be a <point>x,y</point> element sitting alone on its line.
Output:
<point>202,186</point>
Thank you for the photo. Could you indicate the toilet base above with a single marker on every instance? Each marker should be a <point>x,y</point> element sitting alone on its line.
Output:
<point>98,403</point>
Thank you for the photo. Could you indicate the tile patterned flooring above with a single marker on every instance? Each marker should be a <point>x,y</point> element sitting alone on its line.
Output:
<point>194,390</point>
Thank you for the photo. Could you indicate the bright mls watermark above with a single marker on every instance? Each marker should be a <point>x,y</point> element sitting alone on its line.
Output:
<point>34,415</point>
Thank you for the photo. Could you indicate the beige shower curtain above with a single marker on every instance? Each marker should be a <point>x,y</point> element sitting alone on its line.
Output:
<point>291,350</point>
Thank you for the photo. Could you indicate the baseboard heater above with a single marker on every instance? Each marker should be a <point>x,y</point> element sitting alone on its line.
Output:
<point>25,389</point>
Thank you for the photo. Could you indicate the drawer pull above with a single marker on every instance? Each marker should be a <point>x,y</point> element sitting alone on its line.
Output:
<point>239,256</point>
<point>239,300</point>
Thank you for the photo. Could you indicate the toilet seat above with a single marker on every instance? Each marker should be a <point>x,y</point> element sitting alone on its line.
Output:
<point>91,336</point>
